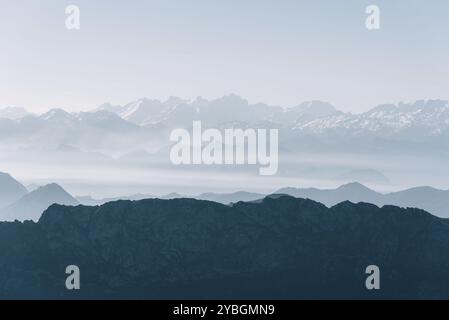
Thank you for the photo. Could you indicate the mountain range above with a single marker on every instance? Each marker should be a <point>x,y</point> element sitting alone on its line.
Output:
<point>416,121</point>
<point>127,147</point>
<point>19,204</point>
<point>314,116</point>
<point>32,204</point>
<point>13,113</point>
<point>407,143</point>
<point>277,248</point>
<point>11,190</point>
<point>430,199</point>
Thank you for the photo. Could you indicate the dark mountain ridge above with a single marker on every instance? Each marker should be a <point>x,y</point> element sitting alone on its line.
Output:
<point>282,247</point>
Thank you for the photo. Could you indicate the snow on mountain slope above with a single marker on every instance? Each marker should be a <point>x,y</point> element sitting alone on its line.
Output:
<point>146,112</point>
<point>230,108</point>
<point>145,124</point>
<point>416,121</point>
<point>13,113</point>
<point>432,115</point>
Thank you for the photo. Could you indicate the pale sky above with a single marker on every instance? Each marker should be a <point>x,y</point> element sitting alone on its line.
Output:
<point>280,52</point>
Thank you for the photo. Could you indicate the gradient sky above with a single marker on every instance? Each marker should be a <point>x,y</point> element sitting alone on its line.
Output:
<point>279,52</point>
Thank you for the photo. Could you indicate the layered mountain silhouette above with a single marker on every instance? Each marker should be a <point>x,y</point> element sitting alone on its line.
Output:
<point>90,201</point>
<point>10,189</point>
<point>317,142</point>
<point>31,205</point>
<point>13,113</point>
<point>426,198</point>
<point>354,192</point>
<point>279,248</point>
<point>19,204</point>
<point>55,128</point>
<point>430,199</point>
<point>314,116</point>
<point>383,127</point>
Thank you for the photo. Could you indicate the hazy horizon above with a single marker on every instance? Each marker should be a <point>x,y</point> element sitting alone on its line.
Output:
<point>276,53</point>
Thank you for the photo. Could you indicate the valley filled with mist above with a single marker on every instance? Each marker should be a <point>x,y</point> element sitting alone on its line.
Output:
<point>389,155</point>
<point>116,151</point>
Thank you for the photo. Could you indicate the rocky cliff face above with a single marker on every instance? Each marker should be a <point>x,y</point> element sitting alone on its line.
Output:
<point>183,248</point>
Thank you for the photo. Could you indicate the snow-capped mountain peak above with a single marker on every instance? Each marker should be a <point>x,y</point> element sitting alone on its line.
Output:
<point>57,115</point>
<point>430,114</point>
<point>13,113</point>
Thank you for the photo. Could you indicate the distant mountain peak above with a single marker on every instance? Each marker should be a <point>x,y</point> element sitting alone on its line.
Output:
<point>109,107</point>
<point>99,115</point>
<point>388,119</point>
<point>10,189</point>
<point>53,190</point>
<point>316,105</point>
<point>175,100</point>
<point>51,187</point>
<point>173,195</point>
<point>232,97</point>
<point>354,186</point>
<point>364,176</point>
<point>31,205</point>
<point>57,114</point>
<point>13,113</point>
<point>5,175</point>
